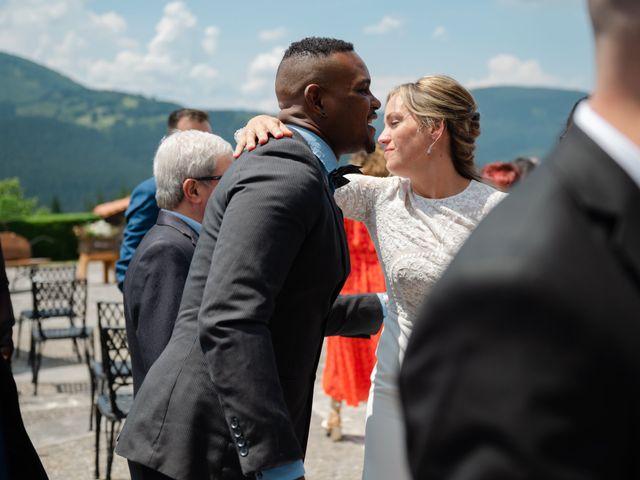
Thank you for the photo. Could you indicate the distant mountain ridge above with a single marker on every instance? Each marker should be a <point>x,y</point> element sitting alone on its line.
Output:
<point>81,145</point>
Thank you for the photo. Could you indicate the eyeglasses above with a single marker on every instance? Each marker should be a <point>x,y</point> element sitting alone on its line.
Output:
<point>211,177</point>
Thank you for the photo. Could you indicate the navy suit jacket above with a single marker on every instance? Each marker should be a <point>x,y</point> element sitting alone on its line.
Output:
<point>153,289</point>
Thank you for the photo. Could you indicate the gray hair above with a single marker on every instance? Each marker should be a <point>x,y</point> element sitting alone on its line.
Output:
<point>182,155</point>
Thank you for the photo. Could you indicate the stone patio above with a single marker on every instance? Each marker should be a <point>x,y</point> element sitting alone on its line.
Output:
<point>58,418</point>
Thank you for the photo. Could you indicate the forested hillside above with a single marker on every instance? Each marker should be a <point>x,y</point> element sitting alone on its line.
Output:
<point>82,146</point>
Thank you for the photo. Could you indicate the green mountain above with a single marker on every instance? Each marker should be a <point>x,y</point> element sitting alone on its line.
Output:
<point>76,144</point>
<point>521,121</point>
<point>79,145</point>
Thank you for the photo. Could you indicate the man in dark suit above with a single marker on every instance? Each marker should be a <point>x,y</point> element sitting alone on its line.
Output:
<point>187,168</point>
<point>231,394</point>
<point>525,362</point>
<point>143,210</point>
<point>18,458</point>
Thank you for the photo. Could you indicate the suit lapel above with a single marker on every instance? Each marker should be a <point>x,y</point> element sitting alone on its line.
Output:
<point>605,191</point>
<point>337,213</point>
<point>169,220</point>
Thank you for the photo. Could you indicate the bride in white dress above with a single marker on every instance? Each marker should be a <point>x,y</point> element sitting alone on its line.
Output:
<point>417,219</point>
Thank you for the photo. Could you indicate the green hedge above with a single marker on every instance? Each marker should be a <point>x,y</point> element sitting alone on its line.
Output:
<point>51,235</point>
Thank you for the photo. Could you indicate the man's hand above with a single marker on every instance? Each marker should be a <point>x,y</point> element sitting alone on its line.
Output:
<point>259,128</point>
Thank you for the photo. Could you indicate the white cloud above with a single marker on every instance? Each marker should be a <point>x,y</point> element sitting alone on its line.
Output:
<point>267,62</point>
<point>210,41</point>
<point>177,20</point>
<point>258,89</point>
<point>110,20</point>
<point>505,69</point>
<point>176,63</point>
<point>381,86</point>
<point>440,33</point>
<point>261,71</point>
<point>254,85</point>
<point>275,34</point>
<point>202,71</point>
<point>385,25</point>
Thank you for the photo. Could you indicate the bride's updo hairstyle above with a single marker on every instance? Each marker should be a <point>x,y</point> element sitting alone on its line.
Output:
<point>436,98</point>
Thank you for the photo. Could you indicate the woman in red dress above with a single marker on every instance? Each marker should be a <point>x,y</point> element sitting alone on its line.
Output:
<point>349,361</point>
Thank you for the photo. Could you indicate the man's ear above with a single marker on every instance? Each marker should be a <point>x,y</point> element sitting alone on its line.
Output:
<point>314,100</point>
<point>190,190</point>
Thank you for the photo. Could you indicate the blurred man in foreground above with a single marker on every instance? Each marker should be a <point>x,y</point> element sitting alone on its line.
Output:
<point>526,360</point>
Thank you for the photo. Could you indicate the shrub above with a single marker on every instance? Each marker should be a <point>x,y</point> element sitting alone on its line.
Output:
<point>51,235</point>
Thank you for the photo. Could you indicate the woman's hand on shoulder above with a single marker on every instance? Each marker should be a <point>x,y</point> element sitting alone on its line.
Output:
<point>258,129</point>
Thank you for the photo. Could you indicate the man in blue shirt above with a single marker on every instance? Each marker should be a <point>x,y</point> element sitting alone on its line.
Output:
<point>143,209</point>
<point>230,396</point>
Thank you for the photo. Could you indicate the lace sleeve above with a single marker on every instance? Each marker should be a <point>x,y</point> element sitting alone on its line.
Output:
<point>492,201</point>
<point>356,198</point>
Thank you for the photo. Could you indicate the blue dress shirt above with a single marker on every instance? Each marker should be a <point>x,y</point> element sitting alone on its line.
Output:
<point>195,226</point>
<point>319,147</point>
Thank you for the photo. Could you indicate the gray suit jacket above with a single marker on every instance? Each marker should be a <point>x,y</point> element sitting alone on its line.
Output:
<point>232,392</point>
<point>153,289</point>
<point>525,363</point>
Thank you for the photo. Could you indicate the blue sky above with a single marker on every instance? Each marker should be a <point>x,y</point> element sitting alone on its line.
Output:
<point>221,55</point>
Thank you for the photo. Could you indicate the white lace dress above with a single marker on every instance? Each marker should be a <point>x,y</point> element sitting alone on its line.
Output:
<point>415,238</point>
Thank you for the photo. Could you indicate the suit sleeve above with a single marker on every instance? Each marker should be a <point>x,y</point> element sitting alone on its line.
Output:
<point>268,215</point>
<point>498,382</point>
<point>358,315</point>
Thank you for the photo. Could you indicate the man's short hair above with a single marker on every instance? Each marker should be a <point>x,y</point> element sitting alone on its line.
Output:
<point>185,154</point>
<point>176,115</point>
<point>317,47</point>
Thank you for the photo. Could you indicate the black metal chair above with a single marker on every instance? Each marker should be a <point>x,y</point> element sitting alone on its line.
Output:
<point>110,314</point>
<point>45,273</point>
<point>116,397</point>
<point>53,300</point>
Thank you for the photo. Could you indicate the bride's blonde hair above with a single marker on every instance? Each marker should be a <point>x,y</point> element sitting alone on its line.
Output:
<point>435,98</point>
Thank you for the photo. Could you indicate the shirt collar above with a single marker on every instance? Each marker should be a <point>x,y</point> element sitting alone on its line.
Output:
<point>319,147</point>
<point>196,226</point>
<point>622,150</point>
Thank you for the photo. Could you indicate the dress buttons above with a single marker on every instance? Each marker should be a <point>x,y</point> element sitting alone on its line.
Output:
<point>244,451</point>
<point>234,423</point>
<point>241,442</point>
<point>237,433</point>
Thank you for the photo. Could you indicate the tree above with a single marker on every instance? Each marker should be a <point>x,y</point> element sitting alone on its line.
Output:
<point>13,203</point>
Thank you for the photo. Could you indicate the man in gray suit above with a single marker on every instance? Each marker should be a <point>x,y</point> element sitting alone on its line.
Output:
<point>525,363</point>
<point>187,168</point>
<point>231,394</point>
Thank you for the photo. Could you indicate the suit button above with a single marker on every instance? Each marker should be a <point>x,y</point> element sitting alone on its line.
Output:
<point>241,442</point>
<point>244,451</point>
<point>234,423</point>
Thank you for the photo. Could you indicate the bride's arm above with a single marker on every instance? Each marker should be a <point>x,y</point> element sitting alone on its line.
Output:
<point>356,198</point>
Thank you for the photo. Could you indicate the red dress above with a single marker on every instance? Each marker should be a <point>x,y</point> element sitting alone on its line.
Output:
<point>349,361</point>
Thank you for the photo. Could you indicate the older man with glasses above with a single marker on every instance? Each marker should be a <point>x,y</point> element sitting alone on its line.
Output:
<point>187,168</point>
